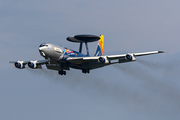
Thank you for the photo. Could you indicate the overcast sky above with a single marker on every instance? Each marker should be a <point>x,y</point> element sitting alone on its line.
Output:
<point>147,89</point>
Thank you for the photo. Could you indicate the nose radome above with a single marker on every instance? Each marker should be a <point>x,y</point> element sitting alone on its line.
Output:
<point>41,52</point>
<point>40,48</point>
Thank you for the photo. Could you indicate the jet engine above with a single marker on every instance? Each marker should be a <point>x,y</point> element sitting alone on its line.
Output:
<point>33,65</point>
<point>130,57</point>
<point>103,59</point>
<point>19,64</point>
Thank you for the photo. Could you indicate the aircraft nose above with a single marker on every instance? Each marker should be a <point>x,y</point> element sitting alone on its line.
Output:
<point>40,48</point>
<point>41,51</point>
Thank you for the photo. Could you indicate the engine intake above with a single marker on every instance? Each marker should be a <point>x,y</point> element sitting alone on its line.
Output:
<point>130,57</point>
<point>101,59</point>
<point>31,64</point>
<point>19,65</point>
<point>34,65</point>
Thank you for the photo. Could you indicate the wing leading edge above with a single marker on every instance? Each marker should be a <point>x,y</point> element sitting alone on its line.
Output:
<point>112,57</point>
<point>107,59</point>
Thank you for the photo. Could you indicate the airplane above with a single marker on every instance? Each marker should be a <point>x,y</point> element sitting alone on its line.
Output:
<point>61,58</point>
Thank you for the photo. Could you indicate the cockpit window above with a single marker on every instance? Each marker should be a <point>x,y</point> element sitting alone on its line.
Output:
<point>43,45</point>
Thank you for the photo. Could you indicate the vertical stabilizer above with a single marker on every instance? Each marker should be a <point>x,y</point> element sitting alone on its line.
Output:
<point>99,51</point>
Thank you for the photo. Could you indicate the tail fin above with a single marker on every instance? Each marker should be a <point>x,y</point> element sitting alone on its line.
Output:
<point>99,51</point>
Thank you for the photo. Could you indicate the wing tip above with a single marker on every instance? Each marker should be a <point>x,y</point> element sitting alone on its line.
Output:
<point>12,61</point>
<point>161,51</point>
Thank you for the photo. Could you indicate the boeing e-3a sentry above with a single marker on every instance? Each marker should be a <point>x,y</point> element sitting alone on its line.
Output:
<point>61,58</point>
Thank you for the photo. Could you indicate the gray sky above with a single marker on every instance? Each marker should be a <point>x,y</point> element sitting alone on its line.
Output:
<point>145,89</point>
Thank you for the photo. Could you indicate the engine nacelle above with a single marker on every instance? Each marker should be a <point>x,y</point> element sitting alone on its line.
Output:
<point>130,57</point>
<point>103,60</point>
<point>34,65</point>
<point>19,64</point>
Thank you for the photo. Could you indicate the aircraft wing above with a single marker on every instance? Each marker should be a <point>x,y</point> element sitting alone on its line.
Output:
<point>112,57</point>
<point>24,62</point>
<point>107,59</point>
<point>80,60</point>
<point>31,64</point>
